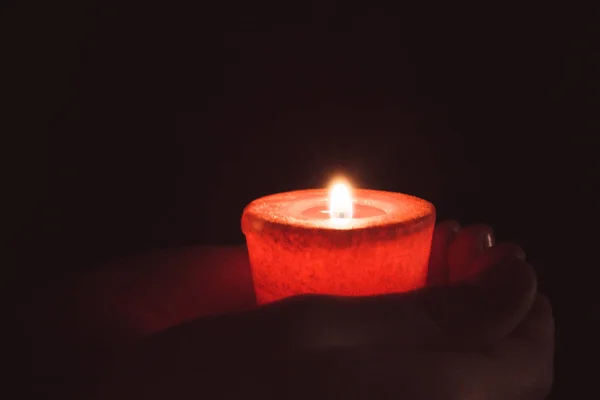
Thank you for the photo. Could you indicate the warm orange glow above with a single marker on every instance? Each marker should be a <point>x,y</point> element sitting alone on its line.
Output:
<point>383,248</point>
<point>340,202</point>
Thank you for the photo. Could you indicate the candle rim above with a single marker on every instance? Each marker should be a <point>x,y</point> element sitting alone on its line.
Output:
<point>266,210</point>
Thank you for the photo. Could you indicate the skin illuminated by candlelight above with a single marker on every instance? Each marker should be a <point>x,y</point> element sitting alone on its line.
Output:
<point>319,241</point>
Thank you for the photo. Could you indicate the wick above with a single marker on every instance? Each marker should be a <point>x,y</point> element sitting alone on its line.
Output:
<point>336,215</point>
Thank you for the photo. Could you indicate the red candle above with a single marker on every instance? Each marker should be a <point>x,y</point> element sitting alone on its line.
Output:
<point>340,242</point>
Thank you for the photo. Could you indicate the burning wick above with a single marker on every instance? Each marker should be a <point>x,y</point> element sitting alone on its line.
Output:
<point>340,202</point>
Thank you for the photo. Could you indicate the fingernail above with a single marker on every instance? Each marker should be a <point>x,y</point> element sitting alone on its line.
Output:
<point>488,240</point>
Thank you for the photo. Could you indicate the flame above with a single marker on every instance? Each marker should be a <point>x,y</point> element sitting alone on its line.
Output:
<point>340,202</point>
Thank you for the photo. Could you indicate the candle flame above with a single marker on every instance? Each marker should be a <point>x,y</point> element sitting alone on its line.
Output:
<point>340,202</point>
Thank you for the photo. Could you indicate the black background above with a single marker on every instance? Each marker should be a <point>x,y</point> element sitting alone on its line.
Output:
<point>142,126</point>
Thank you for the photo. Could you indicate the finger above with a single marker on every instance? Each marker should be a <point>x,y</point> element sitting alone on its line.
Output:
<point>226,281</point>
<point>498,254</point>
<point>443,236</point>
<point>538,327</point>
<point>326,322</point>
<point>469,315</point>
<point>519,366</point>
<point>533,337</point>
<point>138,296</point>
<point>483,309</point>
<point>467,246</point>
<point>525,358</point>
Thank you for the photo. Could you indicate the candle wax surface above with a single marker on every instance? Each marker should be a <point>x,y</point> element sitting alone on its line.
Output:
<point>296,248</point>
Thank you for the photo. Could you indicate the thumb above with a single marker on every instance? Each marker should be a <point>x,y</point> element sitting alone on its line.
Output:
<point>483,309</point>
<point>469,314</point>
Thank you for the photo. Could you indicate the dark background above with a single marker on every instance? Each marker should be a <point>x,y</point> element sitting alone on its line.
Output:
<point>142,126</point>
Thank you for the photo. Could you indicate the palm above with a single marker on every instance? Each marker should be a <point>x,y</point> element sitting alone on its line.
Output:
<point>148,294</point>
<point>440,330</point>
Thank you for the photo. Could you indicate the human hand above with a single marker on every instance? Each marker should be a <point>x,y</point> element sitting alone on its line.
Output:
<point>488,335</point>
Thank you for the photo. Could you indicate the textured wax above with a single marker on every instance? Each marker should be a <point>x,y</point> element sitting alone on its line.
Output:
<point>296,247</point>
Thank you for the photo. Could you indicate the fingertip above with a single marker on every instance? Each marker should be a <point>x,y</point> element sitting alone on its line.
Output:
<point>445,232</point>
<point>538,325</point>
<point>443,236</point>
<point>507,291</point>
<point>542,309</point>
<point>527,353</point>
<point>477,229</point>
<point>543,304</point>
<point>500,253</point>
<point>449,225</point>
<point>485,308</point>
<point>514,277</point>
<point>481,233</point>
<point>469,243</point>
<point>509,250</point>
